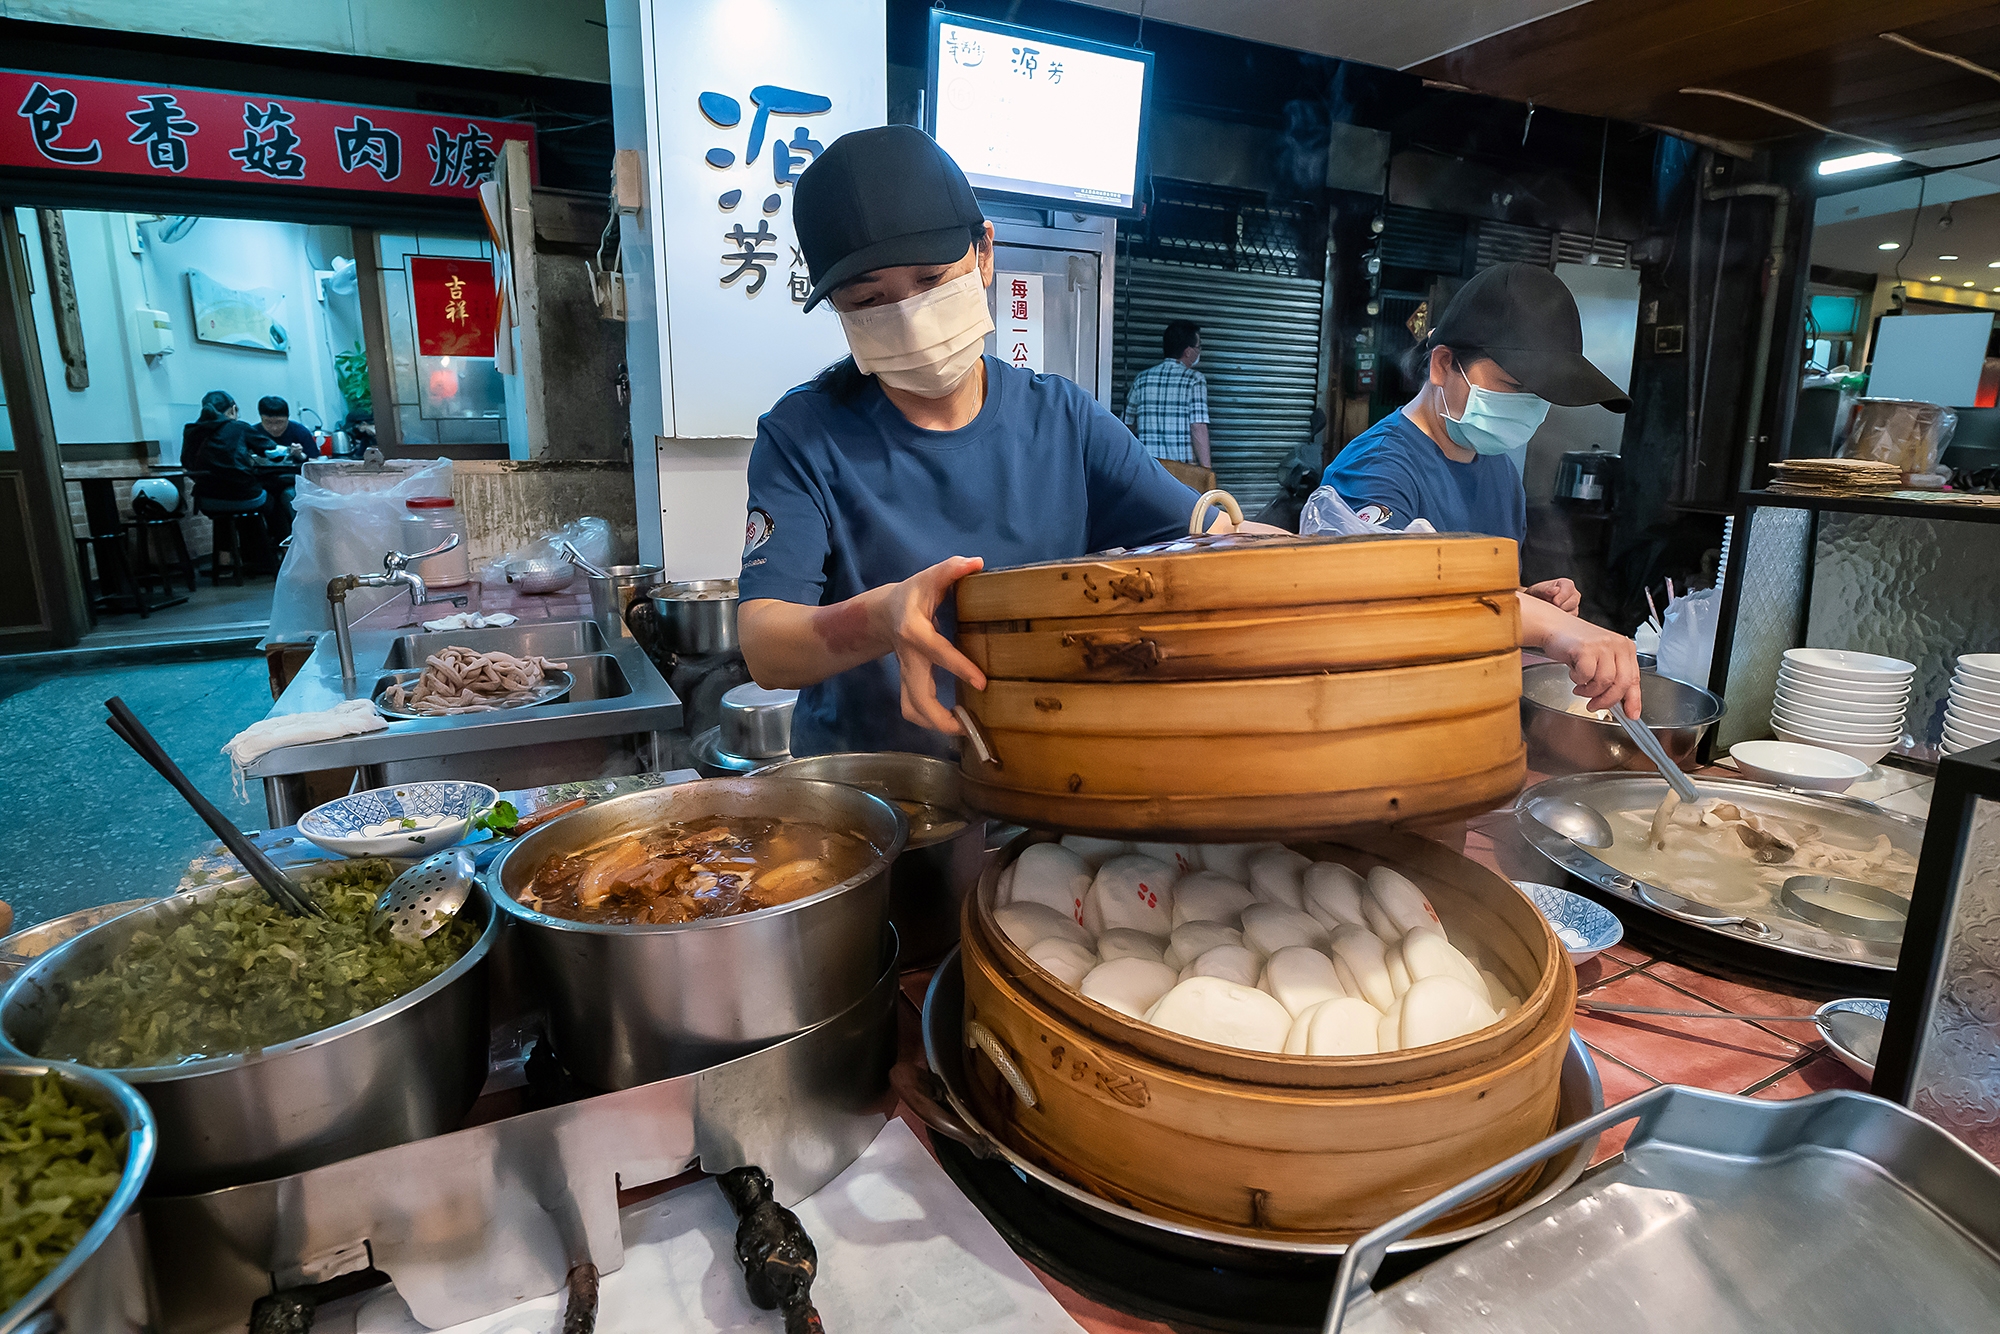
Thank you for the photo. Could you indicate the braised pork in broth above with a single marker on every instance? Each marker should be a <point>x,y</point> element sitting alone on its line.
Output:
<point>681,872</point>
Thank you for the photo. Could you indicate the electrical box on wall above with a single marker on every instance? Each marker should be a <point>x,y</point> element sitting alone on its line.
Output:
<point>155,331</point>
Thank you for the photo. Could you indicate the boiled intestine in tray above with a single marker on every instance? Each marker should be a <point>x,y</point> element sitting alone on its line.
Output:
<point>1247,945</point>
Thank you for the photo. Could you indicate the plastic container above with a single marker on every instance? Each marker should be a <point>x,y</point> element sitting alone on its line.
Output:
<point>427,521</point>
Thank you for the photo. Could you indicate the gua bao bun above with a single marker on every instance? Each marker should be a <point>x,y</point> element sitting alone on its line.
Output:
<point>1065,958</point>
<point>1029,924</point>
<point>1210,896</point>
<point>1129,986</point>
<point>1131,891</point>
<point>1124,943</point>
<point>1342,1026</point>
<point>1276,876</point>
<point>1191,940</point>
<point>1051,875</point>
<point>1210,1009</point>
<point>1231,962</point>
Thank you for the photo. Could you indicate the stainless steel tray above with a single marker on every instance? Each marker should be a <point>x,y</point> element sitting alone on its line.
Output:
<point>944,1049</point>
<point>554,689</point>
<point>1771,929</point>
<point>1835,1213</point>
<point>470,1223</point>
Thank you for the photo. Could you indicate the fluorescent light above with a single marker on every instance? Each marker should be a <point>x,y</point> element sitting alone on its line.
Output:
<point>1937,277</point>
<point>1833,166</point>
<point>1890,245</point>
<point>1968,284</point>
<point>1994,265</point>
<point>1947,256</point>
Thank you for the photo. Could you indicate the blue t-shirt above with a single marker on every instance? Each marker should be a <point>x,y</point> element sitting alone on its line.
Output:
<point>1393,465</point>
<point>845,497</point>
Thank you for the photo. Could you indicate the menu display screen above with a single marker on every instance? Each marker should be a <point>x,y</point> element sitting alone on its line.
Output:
<point>1039,118</point>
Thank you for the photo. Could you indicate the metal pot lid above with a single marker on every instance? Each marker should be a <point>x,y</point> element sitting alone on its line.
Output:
<point>1769,925</point>
<point>709,754</point>
<point>757,723</point>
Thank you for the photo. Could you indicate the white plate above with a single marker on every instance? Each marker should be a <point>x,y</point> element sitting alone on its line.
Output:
<point>1814,768</point>
<point>1846,665</point>
<point>1868,754</point>
<point>1801,679</point>
<point>1825,731</point>
<point>1972,727</point>
<point>1967,691</point>
<point>1887,715</point>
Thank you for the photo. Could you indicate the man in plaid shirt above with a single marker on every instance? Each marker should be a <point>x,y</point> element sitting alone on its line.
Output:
<point>1167,407</point>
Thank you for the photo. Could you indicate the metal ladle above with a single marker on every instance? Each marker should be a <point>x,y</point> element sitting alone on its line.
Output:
<point>423,900</point>
<point>1573,820</point>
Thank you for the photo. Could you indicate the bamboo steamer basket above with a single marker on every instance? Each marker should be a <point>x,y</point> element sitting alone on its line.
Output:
<point>1246,687</point>
<point>1312,1148</point>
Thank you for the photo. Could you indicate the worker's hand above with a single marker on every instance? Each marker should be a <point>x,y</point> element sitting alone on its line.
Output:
<point>1561,592</point>
<point>906,615</point>
<point>1602,663</point>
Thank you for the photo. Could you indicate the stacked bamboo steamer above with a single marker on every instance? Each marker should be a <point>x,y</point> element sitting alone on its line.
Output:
<point>1247,687</point>
<point>1242,688</point>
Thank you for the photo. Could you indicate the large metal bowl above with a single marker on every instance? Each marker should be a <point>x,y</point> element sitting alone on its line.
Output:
<point>403,1071</point>
<point>100,1286</point>
<point>631,1004</point>
<point>1561,742</point>
<point>929,882</point>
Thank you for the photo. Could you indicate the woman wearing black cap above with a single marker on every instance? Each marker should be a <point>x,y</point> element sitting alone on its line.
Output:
<point>915,461</point>
<point>1509,344</point>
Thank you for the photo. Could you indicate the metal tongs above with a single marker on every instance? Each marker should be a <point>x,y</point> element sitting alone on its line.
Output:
<point>284,891</point>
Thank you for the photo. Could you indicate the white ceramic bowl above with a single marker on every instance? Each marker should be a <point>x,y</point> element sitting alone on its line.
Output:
<point>1982,729</point>
<point>1846,665</point>
<point>1800,679</point>
<point>1864,715</point>
<point>1860,1062</point>
<point>1958,740</point>
<point>1970,714</point>
<point>1826,731</point>
<point>1981,667</point>
<point>337,826</point>
<point>1973,692</point>
<point>1868,753</point>
<point>1586,929</point>
<point>1788,764</point>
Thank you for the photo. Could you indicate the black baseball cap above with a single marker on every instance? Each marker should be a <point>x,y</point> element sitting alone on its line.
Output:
<point>878,198</point>
<point>1524,317</point>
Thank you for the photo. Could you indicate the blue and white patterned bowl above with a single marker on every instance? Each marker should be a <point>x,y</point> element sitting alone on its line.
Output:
<point>337,825</point>
<point>1849,1047</point>
<point>1585,929</point>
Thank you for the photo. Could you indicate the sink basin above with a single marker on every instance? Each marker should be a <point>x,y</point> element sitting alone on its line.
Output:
<point>549,639</point>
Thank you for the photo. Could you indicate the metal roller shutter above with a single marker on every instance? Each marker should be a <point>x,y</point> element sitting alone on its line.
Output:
<point>1259,350</point>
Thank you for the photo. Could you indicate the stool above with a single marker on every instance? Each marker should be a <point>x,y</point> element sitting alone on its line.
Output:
<point>229,526</point>
<point>105,540</point>
<point>175,552</point>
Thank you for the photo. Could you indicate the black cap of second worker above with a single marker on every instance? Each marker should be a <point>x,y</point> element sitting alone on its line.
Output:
<point>1524,317</point>
<point>878,198</point>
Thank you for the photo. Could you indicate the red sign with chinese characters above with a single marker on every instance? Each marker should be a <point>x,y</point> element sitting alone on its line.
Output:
<point>159,130</point>
<point>453,300</point>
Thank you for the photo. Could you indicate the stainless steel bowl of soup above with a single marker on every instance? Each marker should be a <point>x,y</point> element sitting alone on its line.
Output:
<point>676,928</point>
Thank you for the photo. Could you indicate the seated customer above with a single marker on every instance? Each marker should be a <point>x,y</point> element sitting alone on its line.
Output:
<point>274,415</point>
<point>219,453</point>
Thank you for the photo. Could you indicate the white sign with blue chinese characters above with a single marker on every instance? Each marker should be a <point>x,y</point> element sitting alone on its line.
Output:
<point>741,96</point>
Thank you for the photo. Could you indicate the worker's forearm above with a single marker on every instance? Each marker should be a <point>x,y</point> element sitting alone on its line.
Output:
<point>1540,621</point>
<point>789,647</point>
<point>1198,436</point>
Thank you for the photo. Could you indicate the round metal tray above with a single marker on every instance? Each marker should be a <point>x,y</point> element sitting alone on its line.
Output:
<point>555,687</point>
<point>1767,928</point>
<point>944,1049</point>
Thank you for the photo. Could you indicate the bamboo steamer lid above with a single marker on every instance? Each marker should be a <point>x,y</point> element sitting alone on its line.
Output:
<point>1198,574</point>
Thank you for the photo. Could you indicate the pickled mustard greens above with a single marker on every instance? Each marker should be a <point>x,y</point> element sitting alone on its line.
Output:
<point>58,1169</point>
<point>238,973</point>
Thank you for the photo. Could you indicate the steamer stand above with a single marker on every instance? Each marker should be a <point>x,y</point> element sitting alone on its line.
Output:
<point>1231,690</point>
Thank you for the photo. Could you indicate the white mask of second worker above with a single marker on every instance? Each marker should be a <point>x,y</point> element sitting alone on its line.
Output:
<point>926,345</point>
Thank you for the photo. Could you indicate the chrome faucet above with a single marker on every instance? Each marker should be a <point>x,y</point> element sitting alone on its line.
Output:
<point>395,574</point>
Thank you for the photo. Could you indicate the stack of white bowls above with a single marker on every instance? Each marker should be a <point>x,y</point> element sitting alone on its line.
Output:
<point>1972,710</point>
<point>1838,700</point>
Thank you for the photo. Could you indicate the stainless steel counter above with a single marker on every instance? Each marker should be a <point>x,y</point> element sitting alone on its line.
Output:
<point>609,727</point>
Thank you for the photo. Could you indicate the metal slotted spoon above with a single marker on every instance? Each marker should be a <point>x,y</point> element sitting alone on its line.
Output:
<point>422,900</point>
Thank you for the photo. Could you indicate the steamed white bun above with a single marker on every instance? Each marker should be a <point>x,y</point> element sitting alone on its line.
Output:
<point>1333,895</point>
<point>1094,852</point>
<point>1029,924</point>
<point>1300,977</point>
<point>1268,928</point>
<point>1051,875</point>
<point>1232,962</point>
<point>1066,959</point>
<point>1276,876</point>
<point>1191,940</point>
<point>1129,986</point>
<point>1209,896</point>
<point>1124,943</point>
<point>1342,1026</point>
<point>1183,857</point>
<point>1134,892</point>
<point>1211,1009</point>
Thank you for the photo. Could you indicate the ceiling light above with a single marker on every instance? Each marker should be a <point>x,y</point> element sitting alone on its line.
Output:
<point>1833,166</point>
<point>1947,256</point>
<point>1994,265</point>
<point>1968,284</point>
<point>1937,277</point>
<point>1890,245</point>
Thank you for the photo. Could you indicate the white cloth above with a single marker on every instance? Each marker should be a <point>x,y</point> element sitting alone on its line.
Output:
<point>472,620</point>
<point>348,718</point>
<point>901,1250</point>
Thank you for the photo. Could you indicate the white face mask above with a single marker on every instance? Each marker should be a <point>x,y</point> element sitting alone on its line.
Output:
<point>927,344</point>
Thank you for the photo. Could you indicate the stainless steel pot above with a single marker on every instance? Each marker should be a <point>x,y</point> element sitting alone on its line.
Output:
<point>757,723</point>
<point>929,882</point>
<point>631,1004</point>
<point>692,618</point>
<point>1561,742</point>
<point>102,1286</point>
<point>403,1071</point>
<point>31,943</point>
<point>615,590</point>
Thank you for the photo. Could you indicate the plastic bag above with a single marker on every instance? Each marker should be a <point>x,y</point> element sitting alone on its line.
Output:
<point>590,535</point>
<point>1687,637</point>
<point>343,532</point>
<point>1326,514</point>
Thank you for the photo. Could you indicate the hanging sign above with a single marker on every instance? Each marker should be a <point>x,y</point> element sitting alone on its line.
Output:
<point>168,132</point>
<point>452,299</point>
<point>1017,319</point>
